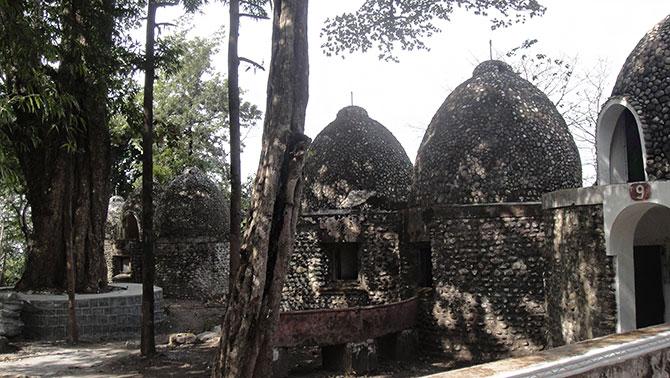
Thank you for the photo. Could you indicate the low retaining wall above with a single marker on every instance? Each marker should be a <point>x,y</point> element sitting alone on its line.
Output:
<point>111,315</point>
<point>641,353</point>
<point>340,326</point>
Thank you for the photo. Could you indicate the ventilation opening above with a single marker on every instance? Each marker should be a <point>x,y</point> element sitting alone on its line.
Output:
<point>343,258</point>
<point>424,265</point>
<point>649,301</point>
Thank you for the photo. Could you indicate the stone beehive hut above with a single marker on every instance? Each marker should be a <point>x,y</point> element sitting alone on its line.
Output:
<point>356,161</point>
<point>192,253</point>
<point>493,148</point>
<point>643,86</point>
<point>496,138</point>
<point>347,250</point>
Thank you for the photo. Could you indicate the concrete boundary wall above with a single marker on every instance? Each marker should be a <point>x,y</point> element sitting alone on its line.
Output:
<point>644,352</point>
<point>111,315</point>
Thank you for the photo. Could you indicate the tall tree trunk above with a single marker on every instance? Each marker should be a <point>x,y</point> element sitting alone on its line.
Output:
<point>73,331</point>
<point>4,254</point>
<point>58,178</point>
<point>253,312</point>
<point>148,343</point>
<point>234,116</point>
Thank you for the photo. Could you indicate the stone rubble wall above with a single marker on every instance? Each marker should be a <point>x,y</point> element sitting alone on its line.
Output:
<point>581,299</point>
<point>193,268</point>
<point>308,284</point>
<point>488,268</point>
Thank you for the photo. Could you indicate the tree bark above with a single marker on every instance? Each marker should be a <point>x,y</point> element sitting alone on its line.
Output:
<point>148,342</point>
<point>73,331</point>
<point>234,116</point>
<point>58,178</point>
<point>4,254</point>
<point>253,312</point>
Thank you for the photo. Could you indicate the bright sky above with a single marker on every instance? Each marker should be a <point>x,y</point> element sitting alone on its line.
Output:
<point>404,96</point>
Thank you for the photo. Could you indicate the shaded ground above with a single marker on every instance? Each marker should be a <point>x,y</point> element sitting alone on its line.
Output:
<point>122,358</point>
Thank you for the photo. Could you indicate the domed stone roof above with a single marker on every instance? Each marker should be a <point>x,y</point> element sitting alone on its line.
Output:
<point>114,214</point>
<point>192,206</point>
<point>645,82</point>
<point>496,138</point>
<point>355,161</point>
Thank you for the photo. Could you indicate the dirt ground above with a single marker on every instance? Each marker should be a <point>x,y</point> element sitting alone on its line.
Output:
<point>122,358</point>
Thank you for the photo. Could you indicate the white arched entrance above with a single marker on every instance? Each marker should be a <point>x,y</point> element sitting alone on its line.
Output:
<point>640,237</point>
<point>620,144</point>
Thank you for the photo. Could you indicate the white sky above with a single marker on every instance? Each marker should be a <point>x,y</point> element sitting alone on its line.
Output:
<point>404,96</point>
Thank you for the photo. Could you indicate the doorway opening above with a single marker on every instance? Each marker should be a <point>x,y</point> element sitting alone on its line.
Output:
<point>649,300</point>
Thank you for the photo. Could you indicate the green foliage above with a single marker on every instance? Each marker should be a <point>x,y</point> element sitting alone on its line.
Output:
<point>191,113</point>
<point>388,24</point>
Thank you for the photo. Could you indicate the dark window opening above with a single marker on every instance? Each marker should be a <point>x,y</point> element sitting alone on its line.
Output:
<point>121,265</point>
<point>649,301</point>
<point>424,265</point>
<point>343,258</point>
<point>633,149</point>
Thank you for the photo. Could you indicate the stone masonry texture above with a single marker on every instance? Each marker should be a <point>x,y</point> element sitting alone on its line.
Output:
<point>581,302</point>
<point>355,161</point>
<point>487,301</point>
<point>496,138</point>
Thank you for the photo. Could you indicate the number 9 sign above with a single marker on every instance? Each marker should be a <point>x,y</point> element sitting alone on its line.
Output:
<point>640,191</point>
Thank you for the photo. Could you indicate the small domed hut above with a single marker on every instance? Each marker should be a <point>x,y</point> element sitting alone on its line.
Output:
<point>192,252</point>
<point>357,177</point>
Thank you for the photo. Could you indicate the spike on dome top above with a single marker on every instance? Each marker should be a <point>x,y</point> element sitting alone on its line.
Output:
<point>496,138</point>
<point>354,162</point>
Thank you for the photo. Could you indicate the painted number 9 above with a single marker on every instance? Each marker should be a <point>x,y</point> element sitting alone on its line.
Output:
<point>639,191</point>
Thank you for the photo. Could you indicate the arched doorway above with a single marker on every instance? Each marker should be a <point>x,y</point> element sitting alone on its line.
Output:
<point>619,144</point>
<point>131,230</point>
<point>640,237</point>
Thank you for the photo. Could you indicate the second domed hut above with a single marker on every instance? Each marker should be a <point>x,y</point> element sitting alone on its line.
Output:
<point>192,252</point>
<point>347,251</point>
<point>494,147</point>
<point>496,138</point>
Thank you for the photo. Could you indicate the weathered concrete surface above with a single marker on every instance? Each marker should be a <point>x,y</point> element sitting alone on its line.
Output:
<point>641,353</point>
<point>340,326</point>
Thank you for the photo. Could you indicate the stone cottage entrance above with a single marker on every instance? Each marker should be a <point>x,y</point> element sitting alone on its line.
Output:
<point>639,236</point>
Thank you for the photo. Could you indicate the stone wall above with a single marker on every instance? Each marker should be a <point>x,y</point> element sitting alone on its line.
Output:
<point>106,316</point>
<point>581,299</point>
<point>309,283</point>
<point>488,269</point>
<point>192,268</point>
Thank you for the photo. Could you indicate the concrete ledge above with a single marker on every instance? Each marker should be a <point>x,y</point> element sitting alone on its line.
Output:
<point>346,325</point>
<point>115,314</point>
<point>592,195</point>
<point>590,356</point>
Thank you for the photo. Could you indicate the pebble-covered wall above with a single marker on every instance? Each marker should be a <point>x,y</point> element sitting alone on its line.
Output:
<point>357,177</point>
<point>355,161</point>
<point>488,269</point>
<point>645,81</point>
<point>496,138</point>
<point>192,255</point>
<point>309,283</point>
<point>581,299</point>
